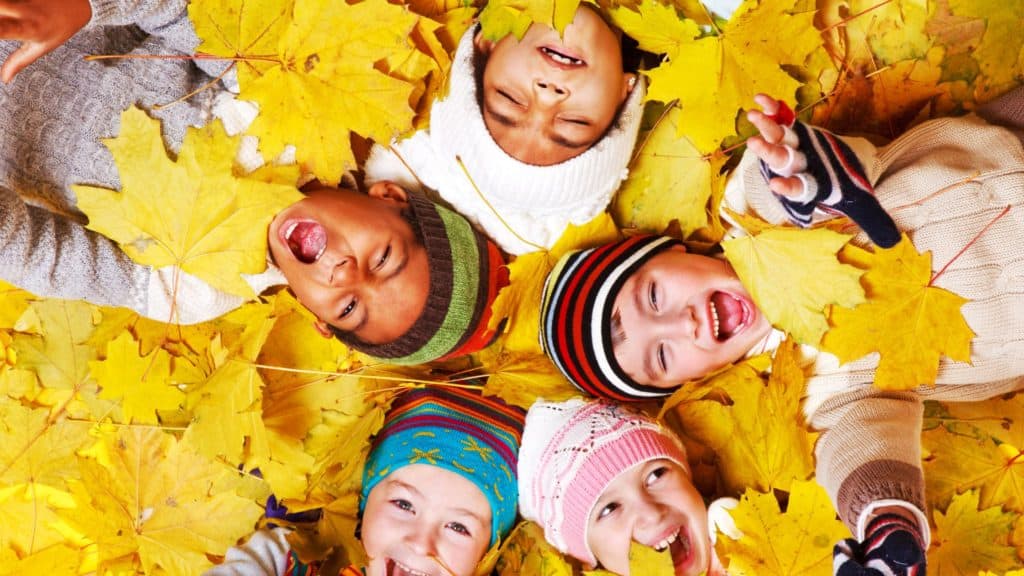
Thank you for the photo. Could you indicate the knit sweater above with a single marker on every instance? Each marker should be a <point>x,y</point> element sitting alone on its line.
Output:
<point>942,182</point>
<point>522,207</point>
<point>54,114</point>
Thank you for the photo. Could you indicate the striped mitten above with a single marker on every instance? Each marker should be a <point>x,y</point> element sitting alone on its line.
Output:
<point>833,179</point>
<point>892,547</point>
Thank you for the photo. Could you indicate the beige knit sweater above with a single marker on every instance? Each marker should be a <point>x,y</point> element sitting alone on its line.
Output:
<point>942,182</point>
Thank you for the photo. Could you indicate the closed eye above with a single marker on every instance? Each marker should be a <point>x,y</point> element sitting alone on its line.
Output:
<point>383,258</point>
<point>652,295</point>
<point>509,97</point>
<point>661,358</point>
<point>578,121</point>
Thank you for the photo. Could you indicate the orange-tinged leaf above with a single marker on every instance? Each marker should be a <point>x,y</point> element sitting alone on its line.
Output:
<point>142,383</point>
<point>714,77</point>
<point>313,74</point>
<point>869,30</point>
<point>793,275</point>
<point>968,540</point>
<point>220,230</point>
<point>669,180</point>
<point>797,541</point>
<point>155,500</point>
<point>979,449</point>
<point>908,321</point>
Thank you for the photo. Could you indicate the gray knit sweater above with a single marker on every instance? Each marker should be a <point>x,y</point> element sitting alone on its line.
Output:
<point>54,114</point>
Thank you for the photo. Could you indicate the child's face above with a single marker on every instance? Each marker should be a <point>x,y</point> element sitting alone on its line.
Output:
<point>547,99</point>
<point>353,260</point>
<point>654,504</point>
<point>422,519</point>
<point>681,316</point>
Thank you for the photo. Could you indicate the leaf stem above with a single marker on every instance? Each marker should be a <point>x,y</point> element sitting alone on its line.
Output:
<point>491,208</point>
<point>969,244</point>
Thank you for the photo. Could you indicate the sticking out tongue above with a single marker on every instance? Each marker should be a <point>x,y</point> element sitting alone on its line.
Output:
<point>730,314</point>
<point>307,240</point>
<point>681,551</point>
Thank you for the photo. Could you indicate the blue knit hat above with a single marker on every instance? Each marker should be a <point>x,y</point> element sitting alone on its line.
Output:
<point>462,431</point>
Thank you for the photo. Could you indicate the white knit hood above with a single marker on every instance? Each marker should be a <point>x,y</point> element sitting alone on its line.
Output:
<point>537,202</point>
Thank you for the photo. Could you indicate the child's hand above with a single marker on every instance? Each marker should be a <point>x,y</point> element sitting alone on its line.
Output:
<point>41,26</point>
<point>808,168</point>
<point>892,545</point>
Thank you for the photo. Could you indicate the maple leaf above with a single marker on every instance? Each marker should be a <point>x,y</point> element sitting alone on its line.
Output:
<point>714,77</point>
<point>519,302</point>
<point>980,450</point>
<point>56,560</point>
<point>1000,53</point>
<point>309,64</point>
<point>525,551</point>
<point>968,540</point>
<point>223,231</point>
<point>755,429</point>
<point>882,32</point>
<point>921,321</point>
<point>13,302</point>
<point>143,383</point>
<point>36,448</point>
<point>520,379</point>
<point>29,520</point>
<point>669,180</point>
<point>499,18</point>
<point>793,275</point>
<point>797,541</point>
<point>153,497</point>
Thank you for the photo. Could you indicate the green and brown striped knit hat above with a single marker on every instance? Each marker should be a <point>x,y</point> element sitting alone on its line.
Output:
<point>466,272</point>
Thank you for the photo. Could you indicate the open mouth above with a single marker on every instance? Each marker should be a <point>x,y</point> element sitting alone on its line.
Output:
<point>729,315</point>
<point>682,551</point>
<point>306,239</point>
<point>395,568</point>
<point>561,57</point>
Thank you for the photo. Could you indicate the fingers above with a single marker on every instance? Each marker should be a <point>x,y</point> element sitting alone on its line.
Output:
<point>775,155</point>
<point>770,130</point>
<point>767,103</point>
<point>791,187</point>
<point>26,54</point>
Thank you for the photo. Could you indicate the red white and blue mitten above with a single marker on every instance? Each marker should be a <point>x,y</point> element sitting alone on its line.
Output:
<point>892,547</point>
<point>833,179</point>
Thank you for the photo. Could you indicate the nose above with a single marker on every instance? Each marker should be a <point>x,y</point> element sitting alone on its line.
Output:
<point>650,519</point>
<point>549,92</point>
<point>345,271</point>
<point>675,324</point>
<point>421,542</point>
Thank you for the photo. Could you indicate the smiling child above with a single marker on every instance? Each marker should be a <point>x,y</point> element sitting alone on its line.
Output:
<point>637,319</point>
<point>597,477</point>
<point>542,127</point>
<point>439,490</point>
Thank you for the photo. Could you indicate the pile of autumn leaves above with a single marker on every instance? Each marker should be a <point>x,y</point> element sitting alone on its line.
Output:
<point>129,446</point>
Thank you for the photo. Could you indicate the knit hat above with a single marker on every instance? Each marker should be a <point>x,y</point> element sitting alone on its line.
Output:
<point>576,315</point>
<point>571,452</point>
<point>462,431</point>
<point>520,201</point>
<point>466,272</point>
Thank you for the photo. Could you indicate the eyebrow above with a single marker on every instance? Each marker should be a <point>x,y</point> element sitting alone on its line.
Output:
<point>555,137</point>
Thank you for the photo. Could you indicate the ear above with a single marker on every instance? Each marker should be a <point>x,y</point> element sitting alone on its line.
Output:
<point>389,192</point>
<point>323,328</point>
<point>482,45</point>
<point>679,247</point>
<point>629,81</point>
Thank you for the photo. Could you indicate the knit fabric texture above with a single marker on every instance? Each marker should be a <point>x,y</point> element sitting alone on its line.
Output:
<point>474,436</point>
<point>571,452</point>
<point>466,273</point>
<point>576,315</point>
<point>521,206</point>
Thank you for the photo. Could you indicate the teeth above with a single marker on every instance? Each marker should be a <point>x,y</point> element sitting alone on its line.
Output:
<point>561,58</point>
<point>714,319</point>
<point>409,571</point>
<point>291,228</point>
<point>661,546</point>
<point>321,252</point>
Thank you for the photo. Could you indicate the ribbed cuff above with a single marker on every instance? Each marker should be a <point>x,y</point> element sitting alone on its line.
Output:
<point>879,480</point>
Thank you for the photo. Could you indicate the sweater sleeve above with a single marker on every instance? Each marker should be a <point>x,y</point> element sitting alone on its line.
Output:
<point>265,554</point>
<point>52,256</point>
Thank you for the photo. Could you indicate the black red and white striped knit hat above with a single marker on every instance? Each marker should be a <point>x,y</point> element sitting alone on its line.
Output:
<point>576,315</point>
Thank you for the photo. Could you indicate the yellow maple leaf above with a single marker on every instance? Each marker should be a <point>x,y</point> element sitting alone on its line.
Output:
<point>29,518</point>
<point>56,560</point>
<point>340,447</point>
<point>753,425</point>
<point>908,321</point>
<point>143,383</point>
<point>713,77</point>
<point>669,180</point>
<point>499,18</point>
<point>309,64</point>
<point>793,275</point>
<point>220,230</point>
<point>519,302</point>
<point>968,540</point>
<point>1001,52</point>
<point>13,301</point>
<point>156,499</point>
<point>978,449</point>
<point>521,379</point>
<point>797,541</point>
<point>525,551</point>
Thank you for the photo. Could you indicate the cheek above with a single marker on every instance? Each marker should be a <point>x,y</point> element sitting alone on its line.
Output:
<point>462,557</point>
<point>377,529</point>
<point>610,547</point>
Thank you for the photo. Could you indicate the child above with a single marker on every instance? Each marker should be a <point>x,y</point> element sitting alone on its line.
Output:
<point>439,490</point>
<point>390,274</point>
<point>635,319</point>
<point>534,134</point>
<point>597,477</point>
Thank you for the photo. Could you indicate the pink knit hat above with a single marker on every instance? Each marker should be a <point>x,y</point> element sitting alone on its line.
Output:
<point>570,452</point>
